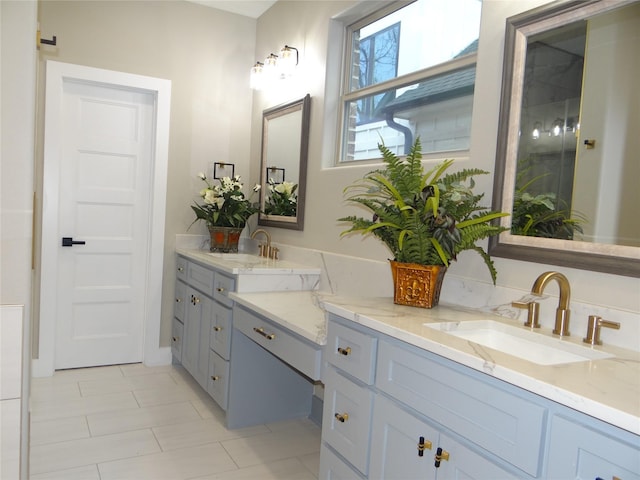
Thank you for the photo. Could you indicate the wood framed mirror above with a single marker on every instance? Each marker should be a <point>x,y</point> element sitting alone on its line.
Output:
<point>567,164</point>
<point>283,166</point>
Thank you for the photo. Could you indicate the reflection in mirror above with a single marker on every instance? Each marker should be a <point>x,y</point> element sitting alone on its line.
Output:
<point>285,146</point>
<point>567,166</point>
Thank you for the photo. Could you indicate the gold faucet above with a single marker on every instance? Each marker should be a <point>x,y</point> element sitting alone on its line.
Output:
<point>562,312</point>
<point>266,250</point>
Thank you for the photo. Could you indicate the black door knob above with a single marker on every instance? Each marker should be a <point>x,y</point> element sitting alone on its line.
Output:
<point>70,242</point>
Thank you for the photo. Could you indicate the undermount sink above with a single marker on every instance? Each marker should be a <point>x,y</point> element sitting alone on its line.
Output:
<point>519,342</point>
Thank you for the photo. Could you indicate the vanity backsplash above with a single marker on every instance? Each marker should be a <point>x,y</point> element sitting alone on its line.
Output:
<point>351,276</point>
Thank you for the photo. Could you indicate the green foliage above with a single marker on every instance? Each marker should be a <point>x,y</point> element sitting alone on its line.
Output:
<point>541,215</point>
<point>426,218</point>
<point>282,199</point>
<point>224,204</point>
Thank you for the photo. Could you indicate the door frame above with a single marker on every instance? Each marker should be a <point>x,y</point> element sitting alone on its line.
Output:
<point>56,74</point>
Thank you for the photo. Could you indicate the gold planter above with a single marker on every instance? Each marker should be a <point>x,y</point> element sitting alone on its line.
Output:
<point>417,285</point>
<point>224,239</point>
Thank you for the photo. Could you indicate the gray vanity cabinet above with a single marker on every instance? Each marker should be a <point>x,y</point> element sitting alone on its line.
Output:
<point>204,318</point>
<point>392,411</point>
<point>580,448</point>
<point>195,347</point>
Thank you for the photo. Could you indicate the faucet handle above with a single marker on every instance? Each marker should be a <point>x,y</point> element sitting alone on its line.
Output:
<point>533,309</point>
<point>593,329</point>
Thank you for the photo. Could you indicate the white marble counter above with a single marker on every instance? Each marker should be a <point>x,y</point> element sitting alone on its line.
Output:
<point>242,263</point>
<point>299,312</point>
<point>608,389</point>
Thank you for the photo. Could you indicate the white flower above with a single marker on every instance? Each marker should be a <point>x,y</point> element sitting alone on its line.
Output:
<point>202,176</point>
<point>210,196</point>
<point>257,187</point>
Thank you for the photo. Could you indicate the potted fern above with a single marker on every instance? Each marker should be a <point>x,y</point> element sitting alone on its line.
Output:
<point>425,219</point>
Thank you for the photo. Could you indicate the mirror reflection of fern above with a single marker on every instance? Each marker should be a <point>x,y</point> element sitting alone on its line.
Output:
<point>541,214</point>
<point>426,218</point>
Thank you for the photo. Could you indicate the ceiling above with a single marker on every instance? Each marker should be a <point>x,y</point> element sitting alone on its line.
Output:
<point>248,8</point>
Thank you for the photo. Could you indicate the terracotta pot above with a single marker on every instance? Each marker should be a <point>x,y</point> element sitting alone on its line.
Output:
<point>224,239</point>
<point>417,285</point>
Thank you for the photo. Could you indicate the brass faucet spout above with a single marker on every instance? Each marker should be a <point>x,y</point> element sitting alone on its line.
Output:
<point>562,312</point>
<point>265,249</point>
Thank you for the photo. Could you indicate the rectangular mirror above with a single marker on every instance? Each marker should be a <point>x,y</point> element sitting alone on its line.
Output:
<point>567,165</point>
<point>285,148</point>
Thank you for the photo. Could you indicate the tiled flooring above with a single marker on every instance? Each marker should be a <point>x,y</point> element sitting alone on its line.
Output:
<point>139,423</point>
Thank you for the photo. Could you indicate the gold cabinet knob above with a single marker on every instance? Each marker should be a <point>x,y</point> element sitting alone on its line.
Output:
<point>217,328</point>
<point>181,269</point>
<point>342,417</point>
<point>220,289</point>
<point>175,339</point>
<point>215,377</point>
<point>344,351</point>
<point>178,300</point>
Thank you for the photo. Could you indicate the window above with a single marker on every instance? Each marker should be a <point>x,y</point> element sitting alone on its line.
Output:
<point>410,72</point>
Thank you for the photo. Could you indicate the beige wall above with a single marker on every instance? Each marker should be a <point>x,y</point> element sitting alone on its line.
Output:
<point>206,53</point>
<point>306,24</point>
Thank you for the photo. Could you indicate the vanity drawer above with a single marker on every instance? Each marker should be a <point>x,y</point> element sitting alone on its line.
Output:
<point>346,419</point>
<point>181,268</point>
<point>222,286</point>
<point>200,277</point>
<point>218,381</point>
<point>351,351</point>
<point>177,329</point>
<point>505,424</point>
<point>220,336</point>
<point>181,300</point>
<point>303,356</point>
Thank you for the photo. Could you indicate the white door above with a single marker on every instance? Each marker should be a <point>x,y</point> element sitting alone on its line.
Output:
<point>104,158</point>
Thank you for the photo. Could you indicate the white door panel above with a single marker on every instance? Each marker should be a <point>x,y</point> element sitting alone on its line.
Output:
<point>104,201</point>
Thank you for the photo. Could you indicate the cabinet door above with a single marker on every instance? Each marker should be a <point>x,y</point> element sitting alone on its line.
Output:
<point>177,332</point>
<point>181,300</point>
<point>577,451</point>
<point>333,467</point>
<point>218,380</point>
<point>402,446</point>
<point>346,418</point>
<point>195,354</point>
<point>465,463</point>
<point>220,338</point>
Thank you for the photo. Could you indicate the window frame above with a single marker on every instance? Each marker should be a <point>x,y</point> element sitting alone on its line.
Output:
<point>346,95</point>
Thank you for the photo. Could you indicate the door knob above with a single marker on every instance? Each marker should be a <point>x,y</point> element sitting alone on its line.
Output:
<point>70,242</point>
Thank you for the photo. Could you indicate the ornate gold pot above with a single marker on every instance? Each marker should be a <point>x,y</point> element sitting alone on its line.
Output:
<point>417,285</point>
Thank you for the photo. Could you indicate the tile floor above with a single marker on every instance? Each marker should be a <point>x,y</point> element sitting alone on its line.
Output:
<point>140,423</point>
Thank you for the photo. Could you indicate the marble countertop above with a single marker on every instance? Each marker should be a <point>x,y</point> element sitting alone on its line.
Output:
<point>608,389</point>
<point>242,263</point>
<point>299,312</point>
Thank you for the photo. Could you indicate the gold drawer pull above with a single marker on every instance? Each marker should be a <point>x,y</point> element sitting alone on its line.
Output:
<point>194,300</point>
<point>344,351</point>
<point>181,269</point>
<point>260,330</point>
<point>220,289</point>
<point>422,445</point>
<point>342,417</point>
<point>178,300</point>
<point>217,329</point>
<point>175,339</point>
<point>215,377</point>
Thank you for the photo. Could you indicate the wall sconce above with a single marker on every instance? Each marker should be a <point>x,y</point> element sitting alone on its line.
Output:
<point>274,67</point>
<point>256,80</point>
